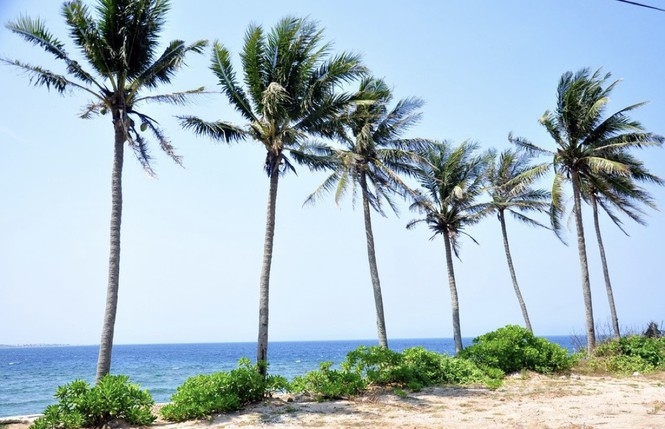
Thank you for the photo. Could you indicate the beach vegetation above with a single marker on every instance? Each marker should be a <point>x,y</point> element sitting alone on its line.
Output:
<point>414,368</point>
<point>326,383</point>
<point>513,349</point>
<point>220,392</point>
<point>376,366</point>
<point>628,355</point>
<point>112,399</point>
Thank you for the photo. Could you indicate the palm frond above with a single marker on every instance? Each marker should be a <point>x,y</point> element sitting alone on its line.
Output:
<point>93,108</point>
<point>35,32</point>
<point>525,144</point>
<point>254,64</point>
<point>219,130</point>
<point>606,166</point>
<point>221,67</point>
<point>557,207</point>
<point>164,68</point>
<point>176,98</point>
<point>131,31</point>
<point>526,220</point>
<point>42,77</point>
<point>329,185</point>
<point>163,141</point>
<point>315,156</point>
<point>139,147</point>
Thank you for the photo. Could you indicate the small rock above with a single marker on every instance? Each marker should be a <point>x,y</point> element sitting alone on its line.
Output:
<point>636,374</point>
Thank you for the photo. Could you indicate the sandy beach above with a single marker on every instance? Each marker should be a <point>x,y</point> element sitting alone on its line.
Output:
<point>523,402</point>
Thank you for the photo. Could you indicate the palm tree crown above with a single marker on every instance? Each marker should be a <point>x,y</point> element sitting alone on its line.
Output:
<point>452,180</point>
<point>120,45</point>
<point>290,93</point>
<point>510,178</point>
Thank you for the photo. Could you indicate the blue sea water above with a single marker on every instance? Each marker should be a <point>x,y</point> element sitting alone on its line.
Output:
<point>29,376</point>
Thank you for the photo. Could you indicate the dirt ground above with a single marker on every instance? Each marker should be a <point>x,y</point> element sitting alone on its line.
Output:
<point>523,402</point>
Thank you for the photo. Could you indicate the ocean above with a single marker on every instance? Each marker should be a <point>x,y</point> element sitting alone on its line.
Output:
<point>29,376</point>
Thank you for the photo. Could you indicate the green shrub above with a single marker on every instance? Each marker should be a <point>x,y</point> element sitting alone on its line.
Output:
<point>651,350</point>
<point>276,383</point>
<point>416,367</point>
<point>630,354</point>
<point>326,383</point>
<point>113,398</point>
<point>377,365</point>
<point>513,349</point>
<point>221,392</point>
<point>457,370</point>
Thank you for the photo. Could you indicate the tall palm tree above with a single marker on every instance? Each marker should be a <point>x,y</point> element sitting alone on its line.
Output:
<point>119,45</point>
<point>452,180</point>
<point>587,147</point>
<point>372,156</point>
<point>509,177</point>
<point>291,93</point>
<point>612,193</point>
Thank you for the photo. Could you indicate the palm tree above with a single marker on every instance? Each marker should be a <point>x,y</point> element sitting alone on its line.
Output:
<point>510,176</point>
<point>451,180</point>
<point>119,45</point>
<point>587,147</point>
<point>290,95</point>
<point>372,156</point>
<point>613,192</point>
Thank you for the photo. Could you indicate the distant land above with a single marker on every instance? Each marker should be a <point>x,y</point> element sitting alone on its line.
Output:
<point>25,346</point>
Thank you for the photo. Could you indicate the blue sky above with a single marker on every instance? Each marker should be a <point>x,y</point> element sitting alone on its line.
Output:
<point>192,239</point>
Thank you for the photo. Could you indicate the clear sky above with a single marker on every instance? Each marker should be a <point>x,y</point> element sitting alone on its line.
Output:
<point>192,239</point>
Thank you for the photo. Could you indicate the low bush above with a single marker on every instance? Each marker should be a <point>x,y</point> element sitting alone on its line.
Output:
<point>327,383</point>
<point>416,367</point>
<point>635,353</point>
<point>204,395</point>
<point>513,349</point>
<point>112,399</point>
<point>649,349</point>
<point>377,365</point>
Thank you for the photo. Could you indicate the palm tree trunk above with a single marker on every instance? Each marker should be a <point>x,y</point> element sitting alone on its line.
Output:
<point>584,265</point>
<point>106,343</point>
<point>454,302</point>
<point>264,286</point>
<point>373,270</point>
<point>606,272</point>
<point>509,258</point>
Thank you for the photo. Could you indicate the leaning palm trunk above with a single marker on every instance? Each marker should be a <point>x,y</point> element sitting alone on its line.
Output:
<point>454,302</point>
<point>108,327</point>
<point>606,272</point>
<point>581,247</point>
<point>516,286</point>
<point>264,287</point>
<point>373,269</point>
